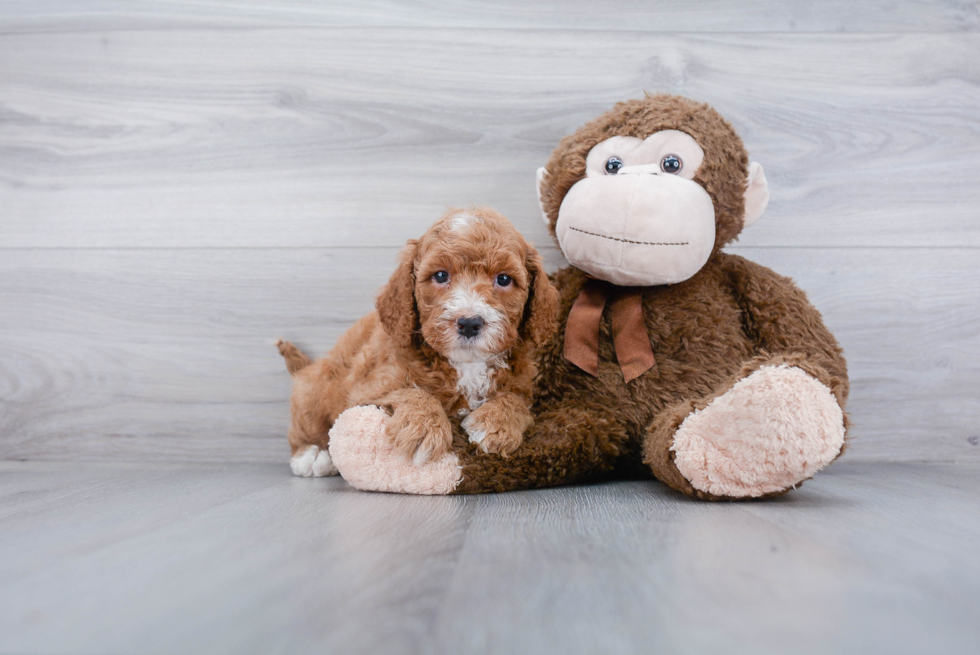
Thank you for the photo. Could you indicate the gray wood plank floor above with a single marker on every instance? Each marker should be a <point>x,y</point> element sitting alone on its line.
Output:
<point>247,559</point>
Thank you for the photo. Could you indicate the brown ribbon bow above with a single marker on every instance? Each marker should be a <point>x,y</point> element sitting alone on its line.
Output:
<point>630,337</point>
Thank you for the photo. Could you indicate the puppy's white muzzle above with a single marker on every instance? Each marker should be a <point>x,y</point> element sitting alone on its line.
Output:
<point>467,303</point>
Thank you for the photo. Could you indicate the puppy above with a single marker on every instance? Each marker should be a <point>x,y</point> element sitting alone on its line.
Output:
<point>452,335</point>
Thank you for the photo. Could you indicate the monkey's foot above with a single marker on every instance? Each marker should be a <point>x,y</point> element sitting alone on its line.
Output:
<point>770,431</point>
<point>360,450</point>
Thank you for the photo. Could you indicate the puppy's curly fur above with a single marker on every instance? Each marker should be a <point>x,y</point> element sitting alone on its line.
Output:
<point>453,334</point>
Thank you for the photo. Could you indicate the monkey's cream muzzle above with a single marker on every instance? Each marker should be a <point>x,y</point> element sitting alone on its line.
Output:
<point>640,227</point>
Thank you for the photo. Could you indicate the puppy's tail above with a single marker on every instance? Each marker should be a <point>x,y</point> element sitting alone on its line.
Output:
<point>295,359</point>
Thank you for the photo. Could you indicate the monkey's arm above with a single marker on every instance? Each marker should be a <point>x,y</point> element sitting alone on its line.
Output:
<point>568,443</point>
<point>785,326</point>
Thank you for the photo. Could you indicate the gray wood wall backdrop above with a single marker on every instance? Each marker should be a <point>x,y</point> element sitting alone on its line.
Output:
<point>182,182</point>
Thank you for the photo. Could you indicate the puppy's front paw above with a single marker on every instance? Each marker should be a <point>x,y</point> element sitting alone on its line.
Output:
<point>496,430</point>
<point>418,435</point>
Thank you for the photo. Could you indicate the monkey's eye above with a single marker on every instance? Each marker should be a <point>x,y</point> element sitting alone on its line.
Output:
<point>504,280</point>
<point>613,164</point>
<point>440,277</point>
<point>671,164</point>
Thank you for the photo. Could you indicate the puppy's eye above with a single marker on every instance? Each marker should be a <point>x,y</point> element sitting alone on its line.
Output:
<point>613,164</point>
<point>440,277</point>
<point>671,164</point>
<point>504,280</point>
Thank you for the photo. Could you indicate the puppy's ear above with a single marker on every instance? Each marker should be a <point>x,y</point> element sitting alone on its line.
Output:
<point>396,302</point>
<point>541,310</point>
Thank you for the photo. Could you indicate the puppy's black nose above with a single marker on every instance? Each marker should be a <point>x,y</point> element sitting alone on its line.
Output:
<point>469,326</point>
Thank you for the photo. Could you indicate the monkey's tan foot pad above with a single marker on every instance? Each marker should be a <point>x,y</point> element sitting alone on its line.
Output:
<point>311,462</point>
<point>770,431</point>
<point>360,450</point>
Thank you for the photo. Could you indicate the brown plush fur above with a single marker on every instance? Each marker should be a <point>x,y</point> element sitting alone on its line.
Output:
<point>708,332</point>
<point>398,356</point>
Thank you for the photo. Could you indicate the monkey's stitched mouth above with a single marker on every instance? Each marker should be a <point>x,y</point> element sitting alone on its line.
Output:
<point>639,243</point>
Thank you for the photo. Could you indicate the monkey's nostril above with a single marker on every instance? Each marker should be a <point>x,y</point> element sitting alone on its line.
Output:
<point>469,326</point>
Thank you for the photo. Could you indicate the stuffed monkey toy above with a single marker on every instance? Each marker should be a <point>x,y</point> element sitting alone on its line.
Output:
<point>672,359</point>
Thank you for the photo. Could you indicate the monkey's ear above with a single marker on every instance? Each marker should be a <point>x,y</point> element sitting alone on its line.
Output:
<point>396,302</point>
<point>756,194</point>
<point>542,176</point>
<point>541,310</point>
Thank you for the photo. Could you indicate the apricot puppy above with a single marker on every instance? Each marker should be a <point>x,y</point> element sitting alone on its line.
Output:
<point>453,334</point>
